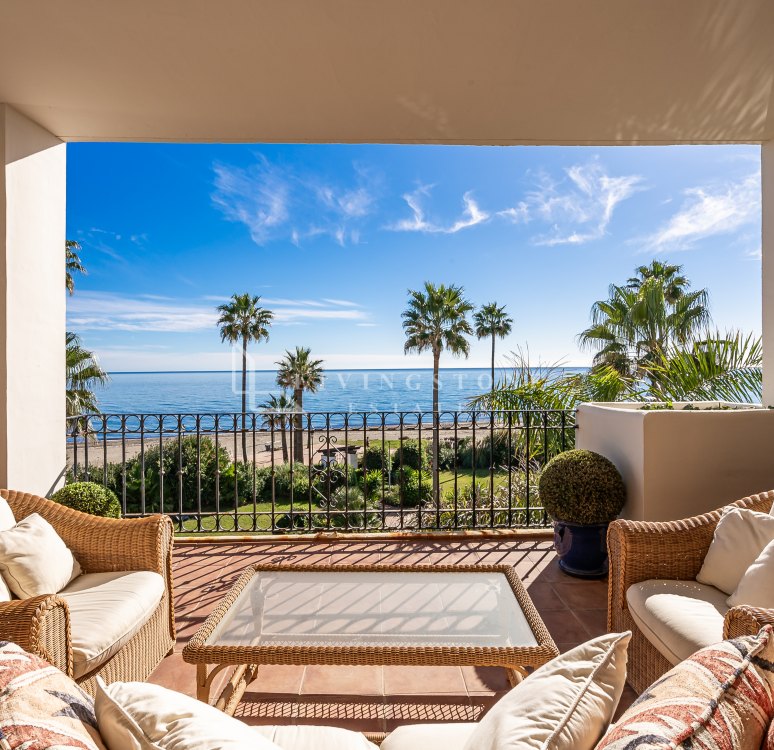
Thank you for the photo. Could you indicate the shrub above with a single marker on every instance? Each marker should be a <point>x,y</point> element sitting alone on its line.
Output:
<point>347,508</point>
<point>194,457</point>
<point>371,483</point>
<point>447,456</point>
<point>287,523</point>
<point>414,487</point>
<point>582,487</point>
<point>377,457</point>
<point>109,476</point>
<point>244,478</point>
<point>490,451</point>
<point>411,455</point>
<point>506,508</point>
<point>89,497</point>
<point>327,479</point>
<point>282,482</point>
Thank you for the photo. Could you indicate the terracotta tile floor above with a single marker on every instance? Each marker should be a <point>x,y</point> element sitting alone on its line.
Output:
<point>376,699</point>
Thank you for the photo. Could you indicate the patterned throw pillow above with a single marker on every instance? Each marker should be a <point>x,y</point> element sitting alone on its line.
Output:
<point>41,707</point>
<point>720,698</point>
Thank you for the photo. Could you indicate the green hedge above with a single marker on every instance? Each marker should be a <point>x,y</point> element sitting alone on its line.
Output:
<point>582,487</point>
<point>89,497</point>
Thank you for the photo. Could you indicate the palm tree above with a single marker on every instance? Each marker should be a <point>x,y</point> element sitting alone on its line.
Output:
<point>277,410</point>
<point>715,366</point>
<point>435,320</point>
<point>300,373</point>
<point>243,319</point>
<point>670,276</point>
<point>492,320</point>
<point>83,373</point>
<point>72,263</point>
<point>651,312</point>
<point>711,366</point>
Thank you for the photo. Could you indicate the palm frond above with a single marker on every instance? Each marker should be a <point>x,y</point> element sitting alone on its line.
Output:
<point>724,367</point>
<point>436,319</point>
<point>492,320</point>
<point>83,374</point>
<point>72,264</point>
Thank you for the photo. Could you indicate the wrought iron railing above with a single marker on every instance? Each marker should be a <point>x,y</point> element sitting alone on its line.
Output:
<point>323,471</point>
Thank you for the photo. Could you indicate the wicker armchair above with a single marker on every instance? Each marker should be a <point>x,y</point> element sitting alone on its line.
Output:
<point>670,550</point>
<point>41,624</point>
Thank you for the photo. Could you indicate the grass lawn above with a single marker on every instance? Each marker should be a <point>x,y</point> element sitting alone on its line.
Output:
<point>465,479</point>
<point>262,511</point>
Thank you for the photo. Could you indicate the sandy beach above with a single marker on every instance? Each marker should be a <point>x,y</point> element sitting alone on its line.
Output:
<point>259,443</point>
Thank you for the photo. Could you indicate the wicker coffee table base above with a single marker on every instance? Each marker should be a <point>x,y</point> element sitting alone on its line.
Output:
<point>232,692</point>
<point>242,675</point>
<point>244,661</point>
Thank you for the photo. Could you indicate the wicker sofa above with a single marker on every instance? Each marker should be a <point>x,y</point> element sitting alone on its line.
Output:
<point>668,551</point>
<point>42,624</point>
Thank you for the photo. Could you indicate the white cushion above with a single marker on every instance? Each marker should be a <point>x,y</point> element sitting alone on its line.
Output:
<point>316,738</point>
<point>678,617</point>
<point>141,716</point>
<point>757,585</point>
<point>106,610</point>
<point>740,537</point>
<point>34,560</point>
<point>565,705</point>
<point>7,521</point>
<point>452,736</point>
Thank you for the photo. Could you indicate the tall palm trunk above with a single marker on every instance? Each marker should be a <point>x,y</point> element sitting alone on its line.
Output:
<point>493,361</point>
<point>244,399</point>
<point>284,433</point>
<point>436,482</point>
<point>298,437</point>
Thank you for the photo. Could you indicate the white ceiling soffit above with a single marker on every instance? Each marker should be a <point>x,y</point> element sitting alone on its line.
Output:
<point>392,71</point>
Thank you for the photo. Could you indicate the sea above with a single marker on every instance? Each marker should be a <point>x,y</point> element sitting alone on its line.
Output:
<point>341,391</point>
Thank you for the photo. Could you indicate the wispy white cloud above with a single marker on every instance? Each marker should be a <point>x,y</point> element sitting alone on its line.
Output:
<point>472,214</point>
<point>342,302</point>
<point>256,196</point>
<point>579,207</point>
<point>417,222</point>
<point>709,211</point>
<point>110,243</point>
<point>284,204</point>
<point>518,214</point>
<point>105,311</point>
<point>351,203</point>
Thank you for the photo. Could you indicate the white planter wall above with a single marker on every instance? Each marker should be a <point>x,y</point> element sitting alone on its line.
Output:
<point>681,463</point>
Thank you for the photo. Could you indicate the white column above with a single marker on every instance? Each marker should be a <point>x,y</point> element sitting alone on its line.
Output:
<point>32,305</point>
<point>767,261</point>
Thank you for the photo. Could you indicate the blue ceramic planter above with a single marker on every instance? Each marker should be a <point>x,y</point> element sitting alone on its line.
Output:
<point>582,550</point>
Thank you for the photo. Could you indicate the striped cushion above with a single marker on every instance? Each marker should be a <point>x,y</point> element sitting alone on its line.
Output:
<point>721,698</point>
<point>41,707</point>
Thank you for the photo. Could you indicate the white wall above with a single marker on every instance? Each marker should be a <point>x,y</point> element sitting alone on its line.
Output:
<point>767,251</point>
<point>32,305</point>
<point>618,435</point>
<point>678,464</point>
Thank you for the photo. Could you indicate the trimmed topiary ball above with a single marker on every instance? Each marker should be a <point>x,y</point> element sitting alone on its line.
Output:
<point>89,497</point>
<point>582,487</point>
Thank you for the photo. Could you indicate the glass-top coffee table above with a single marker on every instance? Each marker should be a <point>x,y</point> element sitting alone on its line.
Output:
<point>385,614</point>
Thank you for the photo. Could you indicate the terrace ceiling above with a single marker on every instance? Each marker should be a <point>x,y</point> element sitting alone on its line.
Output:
<point>398,71</point>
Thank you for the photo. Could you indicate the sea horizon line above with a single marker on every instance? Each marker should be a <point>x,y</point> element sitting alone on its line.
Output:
<point>341,369</point>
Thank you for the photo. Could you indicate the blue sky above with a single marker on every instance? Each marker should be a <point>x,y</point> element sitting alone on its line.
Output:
<point>332,237</point>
